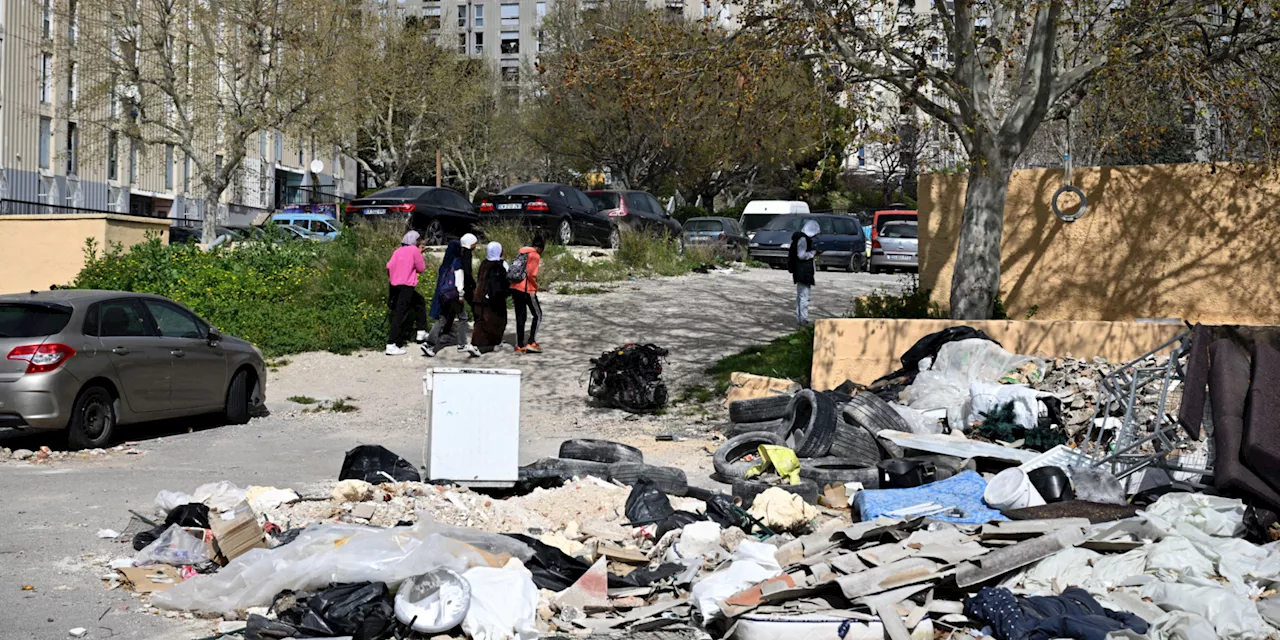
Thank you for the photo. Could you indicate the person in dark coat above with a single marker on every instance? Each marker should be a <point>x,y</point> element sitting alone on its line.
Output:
<point>800,257</point>
<point>447,305</point>
<point>490,300</point>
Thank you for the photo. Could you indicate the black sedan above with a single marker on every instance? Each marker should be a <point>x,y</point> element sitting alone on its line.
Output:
<point>637,211</point>
<point>562,212</point>
<point>437,213</point>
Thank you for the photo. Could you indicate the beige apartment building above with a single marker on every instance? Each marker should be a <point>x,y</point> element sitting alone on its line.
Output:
<point>45,169</point>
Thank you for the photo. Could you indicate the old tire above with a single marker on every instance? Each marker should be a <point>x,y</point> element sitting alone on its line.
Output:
<point>854,442</point>
<point>831,470</point>
<point>759,409</point>
<point>239,399</point>
<point>813,424</point>
<point>747,490</point>
<point>779,426</point>
<point>670,480</point>
<point>564,469</point>
<point>875,415</point>
<point>93,419</point>
<point>728,458</point>
<point>599,451</point>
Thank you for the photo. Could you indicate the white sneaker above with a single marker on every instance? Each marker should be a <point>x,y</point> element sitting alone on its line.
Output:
<point>428,351</point>
<point>421,337</point>
<point>395,350</point>
<point>470,349</point>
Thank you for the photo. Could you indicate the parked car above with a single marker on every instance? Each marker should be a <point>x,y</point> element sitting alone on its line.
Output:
<point>637,211</point>
<point>886,216</point>
<point>294,232</point>
<point>316,224</point>
<point>897,247</point>
<point>438,213</point>
<point>840,241</point>
<point>566,214</point>
<point>758,213</point>
<point>90,361</point>
<point>722,233</point>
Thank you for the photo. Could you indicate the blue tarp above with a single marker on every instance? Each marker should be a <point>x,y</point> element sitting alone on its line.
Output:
<point>963,491</point>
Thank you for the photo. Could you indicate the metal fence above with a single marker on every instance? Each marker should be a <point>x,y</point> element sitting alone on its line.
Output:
<point>26,208</point>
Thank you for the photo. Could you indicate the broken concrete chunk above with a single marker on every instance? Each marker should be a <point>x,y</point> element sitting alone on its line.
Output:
<point>363,510</point>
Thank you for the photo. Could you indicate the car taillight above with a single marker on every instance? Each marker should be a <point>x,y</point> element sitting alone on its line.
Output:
<point>407,207</point>
<point>42,358</point>
<point>537,205</point>
<point>351,208</point>
<point>486,207</point>
<point>875,244</point>
<point>617,213</point>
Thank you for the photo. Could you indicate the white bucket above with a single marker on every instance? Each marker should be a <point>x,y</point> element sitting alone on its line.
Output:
<point>1011,489</point>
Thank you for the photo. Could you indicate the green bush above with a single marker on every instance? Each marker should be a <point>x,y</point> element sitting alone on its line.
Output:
<point>912,302</point>
<point>688,211</point>
<point>283,296</point>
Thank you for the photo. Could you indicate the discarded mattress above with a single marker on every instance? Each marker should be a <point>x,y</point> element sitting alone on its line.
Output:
<point>962,491</point>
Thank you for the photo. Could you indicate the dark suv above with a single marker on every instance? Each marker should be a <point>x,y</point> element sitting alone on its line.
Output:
<point>561,211</point>
<point>636,210</point>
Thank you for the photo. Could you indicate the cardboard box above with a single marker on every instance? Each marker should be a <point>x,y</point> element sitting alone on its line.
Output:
<point>236,531</point>
<point>745,386</point>
<point>151,578</point>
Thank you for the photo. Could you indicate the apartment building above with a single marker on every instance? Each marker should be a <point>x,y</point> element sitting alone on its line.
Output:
<point>45,168</point>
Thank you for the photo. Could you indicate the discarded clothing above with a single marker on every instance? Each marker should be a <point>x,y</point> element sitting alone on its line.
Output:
<point>1074,614</point>
<point>780,460</point>
<point>963,492</point>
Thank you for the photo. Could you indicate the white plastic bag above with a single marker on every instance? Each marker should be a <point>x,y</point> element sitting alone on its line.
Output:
<point>328,553</point>
<point>1232,616</point>
<point>985,397</point>
<point>220,496</point>
<point>752,562</point>
<point>174,547</point>
<point>697,540</point>
<point>1214,515</point>
<point>945,385</point>
<point>917,421</point>
<point>504,603</point>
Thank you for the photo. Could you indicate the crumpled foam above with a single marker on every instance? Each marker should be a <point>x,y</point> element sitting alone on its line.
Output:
<point>782,510</point>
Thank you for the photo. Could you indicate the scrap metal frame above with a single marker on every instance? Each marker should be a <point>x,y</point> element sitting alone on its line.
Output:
<point>1125,454</point>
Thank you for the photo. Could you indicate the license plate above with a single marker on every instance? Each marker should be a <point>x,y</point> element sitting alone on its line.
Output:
<point>899,257</point>
<point>375,212</point>
<point>510,205</point>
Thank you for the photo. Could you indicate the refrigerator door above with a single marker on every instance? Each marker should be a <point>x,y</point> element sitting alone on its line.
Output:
<point>473,425</point>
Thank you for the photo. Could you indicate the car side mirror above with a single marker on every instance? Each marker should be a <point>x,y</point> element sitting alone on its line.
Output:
<point>213,337</point>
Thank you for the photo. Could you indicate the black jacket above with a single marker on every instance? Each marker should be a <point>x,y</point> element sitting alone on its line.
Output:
<point>801,270</point>
<point>468,275</point>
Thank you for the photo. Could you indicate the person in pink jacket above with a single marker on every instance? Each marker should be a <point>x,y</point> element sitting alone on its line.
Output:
<point>402,270</point>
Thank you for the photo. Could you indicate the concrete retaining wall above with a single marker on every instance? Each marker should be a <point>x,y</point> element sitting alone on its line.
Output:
<point>45,250</point>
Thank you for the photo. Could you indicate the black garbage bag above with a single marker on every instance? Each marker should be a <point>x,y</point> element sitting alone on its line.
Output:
<point>262,628</point>
<point>722,511</point>
<point>144,538</point>
<point>647,503</point>
<point>373,464</point>
<point>193,514</point>
<point>363,610</point>
<point>556,570</point>
<point>629,378</point>
<point>677,520</point>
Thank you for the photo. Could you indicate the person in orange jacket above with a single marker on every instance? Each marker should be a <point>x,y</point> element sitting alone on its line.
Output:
<point>525,295</point>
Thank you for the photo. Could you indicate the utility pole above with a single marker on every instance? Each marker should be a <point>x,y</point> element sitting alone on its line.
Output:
<point>437,167</point>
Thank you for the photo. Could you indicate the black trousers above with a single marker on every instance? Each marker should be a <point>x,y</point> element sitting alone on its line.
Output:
<point>526,305</point>
<point>401,301</point>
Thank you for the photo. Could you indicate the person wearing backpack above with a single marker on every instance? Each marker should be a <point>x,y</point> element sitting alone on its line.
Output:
<point>524,291</point>
<point>800,256</point>
<point>446,304</point>
<point>490,300</point>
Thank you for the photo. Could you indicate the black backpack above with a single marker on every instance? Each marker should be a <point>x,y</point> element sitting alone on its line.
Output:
<point>793,257</point>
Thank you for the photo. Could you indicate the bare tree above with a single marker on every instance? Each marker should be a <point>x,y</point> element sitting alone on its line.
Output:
<point>993,71</point>
<point>203,75</point>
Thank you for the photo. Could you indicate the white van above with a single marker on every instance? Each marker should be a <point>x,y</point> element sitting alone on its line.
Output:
<point>759,212</point>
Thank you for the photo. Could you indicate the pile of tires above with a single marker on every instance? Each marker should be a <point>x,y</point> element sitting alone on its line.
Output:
<point>833,434</point>
<point>607,460</point>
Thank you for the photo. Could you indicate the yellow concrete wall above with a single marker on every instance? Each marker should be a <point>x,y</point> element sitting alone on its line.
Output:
<point>1158,241</point>
<point>864,350</point>
<point>39,251</point>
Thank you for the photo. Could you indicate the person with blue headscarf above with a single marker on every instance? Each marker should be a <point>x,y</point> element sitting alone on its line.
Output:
<point>446,304</point>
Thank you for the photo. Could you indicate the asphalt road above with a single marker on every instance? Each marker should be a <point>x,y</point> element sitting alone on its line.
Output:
<point>51,512</point>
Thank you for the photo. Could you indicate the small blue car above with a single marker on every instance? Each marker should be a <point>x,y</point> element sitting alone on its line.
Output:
<point>316,224</point>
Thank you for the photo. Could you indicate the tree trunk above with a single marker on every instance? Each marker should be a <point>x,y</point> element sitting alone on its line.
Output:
<point>709,201</point>
<point>977,272</point>
<point>209,213</point>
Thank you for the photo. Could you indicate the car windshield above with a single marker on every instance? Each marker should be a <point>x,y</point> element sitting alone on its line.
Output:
<point>533,188</point>
<point>26,320</point>
<point>756,221</point>
<point>604,200</point>
<point>900,231</point>
<point>795,223</point>
<point>704,225</point>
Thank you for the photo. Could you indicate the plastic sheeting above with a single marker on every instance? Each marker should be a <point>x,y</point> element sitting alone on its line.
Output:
<point>1232,617</point>
<point>753,562</point>
<point>221,496</point>
<point>504,603</point>
<point>332,553</point>
<point>958,365</point>
<point>918,421</point>
<point>985,397</point>
<point>174,547</point>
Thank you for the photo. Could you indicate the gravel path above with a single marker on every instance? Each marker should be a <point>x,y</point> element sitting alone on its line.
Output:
<point>52,511</point>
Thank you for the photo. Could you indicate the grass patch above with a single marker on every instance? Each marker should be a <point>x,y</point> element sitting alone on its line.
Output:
<point>790,356</point>
<point>302,400</point>
<point>699,394</point>
<point>911,302</point>
<point>333,406</point>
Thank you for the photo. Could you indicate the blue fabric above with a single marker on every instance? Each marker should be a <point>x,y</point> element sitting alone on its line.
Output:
<point>451,262</point>
<point>1074,614</point>
<point>963,490</point>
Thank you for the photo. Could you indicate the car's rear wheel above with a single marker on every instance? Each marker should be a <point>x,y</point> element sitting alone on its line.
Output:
<point>615,238</point>
<point>856,262</point>
<point>565,232</point>
<point>434,233</point>
<point>93,419</point>
<point>241,398</point>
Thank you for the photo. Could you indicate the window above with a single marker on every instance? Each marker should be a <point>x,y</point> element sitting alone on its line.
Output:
<point>540,9</point>
<point>113,152</point>
<point>73,149</point>
<point>115,199</point>
<point>133,161</point>
<point>262,145</point>
<point>168,167</point>
<point>462,16</point>
<point>510,15</point>
<point>510,42</point>
<point>46,78</point>
<point>431,17</point>
<point>44,190</point>
<point>511,74</point>
<point>462,44</point>
<point>73,87</point>
<point>121,319</point>
<point>46,133</point>
<point>46,18</point>
<point>73,23</point>
<point>186,173</point>
<point>479,43</point>
<point>279,146</point>
<point>173,322</point>
<point>478,21</point>
<point>636,202</point>
<point>862,156</point>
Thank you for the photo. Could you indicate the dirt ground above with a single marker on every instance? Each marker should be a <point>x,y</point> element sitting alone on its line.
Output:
<point>51,557</point>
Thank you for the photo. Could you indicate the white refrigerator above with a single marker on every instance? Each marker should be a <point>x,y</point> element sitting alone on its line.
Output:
<point>473,426</point>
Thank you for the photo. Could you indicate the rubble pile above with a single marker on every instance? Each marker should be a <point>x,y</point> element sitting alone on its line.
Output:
<point>1078,384</point>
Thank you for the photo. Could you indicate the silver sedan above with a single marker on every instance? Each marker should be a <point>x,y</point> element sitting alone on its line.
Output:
<point>89,361</point>
<point>897,247</point>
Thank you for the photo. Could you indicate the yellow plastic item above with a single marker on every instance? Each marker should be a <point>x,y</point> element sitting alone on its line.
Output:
<point>780,460</point>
